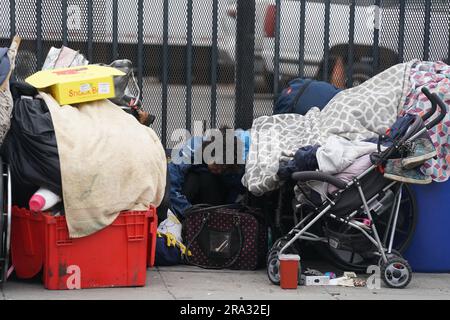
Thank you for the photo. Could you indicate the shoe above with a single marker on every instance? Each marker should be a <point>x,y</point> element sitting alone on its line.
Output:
<point>422,149</point>
<point>395,171</point>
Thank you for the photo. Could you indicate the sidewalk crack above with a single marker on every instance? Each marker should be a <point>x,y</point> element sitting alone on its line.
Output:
<point>165,285</point>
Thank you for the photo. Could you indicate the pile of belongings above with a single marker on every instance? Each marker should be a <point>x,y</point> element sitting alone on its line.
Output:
<point>94,157</point>
<point>346,130</point>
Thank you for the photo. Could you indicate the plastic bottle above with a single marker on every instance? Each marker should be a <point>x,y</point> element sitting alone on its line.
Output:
<point>43,199</point>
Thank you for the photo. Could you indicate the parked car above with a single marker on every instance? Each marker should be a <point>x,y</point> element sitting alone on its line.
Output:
<point>102,35</point>
<point>366,16</point>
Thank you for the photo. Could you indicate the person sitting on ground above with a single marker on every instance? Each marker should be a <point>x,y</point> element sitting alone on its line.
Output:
<point>213,180</point>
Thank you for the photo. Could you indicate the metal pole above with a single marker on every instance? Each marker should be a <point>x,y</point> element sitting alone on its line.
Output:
<point>426,34</point>
<point>115,31</point>
<point>214,58</point>
<point>12,17</point>
<point>401,32</point>
<point>140,58</point>
<point>245,62</point>
<point>189,66</point>
<point>376,37</point>
<point>90,30</point>
<point>276,61</point>
<point>165,72</point>
<point>64,22</point>
<point>39,47</point>
<point>326,41</point>
<point>351,41</point>
<point>448,22</point>
<point>301,48</point>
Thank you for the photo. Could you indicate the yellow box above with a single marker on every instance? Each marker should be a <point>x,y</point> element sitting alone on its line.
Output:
<point>77,84</point>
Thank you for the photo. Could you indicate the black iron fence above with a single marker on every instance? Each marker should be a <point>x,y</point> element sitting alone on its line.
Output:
<point>223,62</point>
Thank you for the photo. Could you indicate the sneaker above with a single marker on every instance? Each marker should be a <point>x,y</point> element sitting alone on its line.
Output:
<point>422,149</point>
<point>395,171</point>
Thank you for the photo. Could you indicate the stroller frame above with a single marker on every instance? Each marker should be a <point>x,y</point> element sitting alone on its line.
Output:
<point>300,230</point>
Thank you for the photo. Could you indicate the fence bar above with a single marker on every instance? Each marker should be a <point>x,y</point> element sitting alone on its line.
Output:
<point>351,42</point>
<point>90,21</point>
<point>140,58</point>
<point>301,47</point>
<point>189,66</point>
<point>401,31</point>
<point>245,64</point>
<point>39,48</point>
<point>276,61</point>
<point>376,37</point>
<point>326,40</point>
<point>426,34</point>
<point>115,31</point>
<point>214,57</point>
<point>64,22</point>
<point>165,72</point>
<point>12,17</point>
<point>448,58</point>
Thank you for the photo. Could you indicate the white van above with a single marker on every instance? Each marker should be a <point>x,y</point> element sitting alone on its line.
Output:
<point>77,25</point>
<point>366,18</point>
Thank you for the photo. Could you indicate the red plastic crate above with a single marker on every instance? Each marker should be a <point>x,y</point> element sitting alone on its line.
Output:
<point>153,229</point>
<point>116,256</point>
<point>27,239</point>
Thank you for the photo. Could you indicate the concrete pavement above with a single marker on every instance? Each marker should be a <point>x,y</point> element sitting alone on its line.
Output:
<point>184,282</point>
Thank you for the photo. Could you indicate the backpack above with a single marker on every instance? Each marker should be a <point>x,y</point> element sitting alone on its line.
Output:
<point>303,94</point>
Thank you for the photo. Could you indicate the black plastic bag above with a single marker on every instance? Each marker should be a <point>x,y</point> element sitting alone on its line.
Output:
<point>30,147</point>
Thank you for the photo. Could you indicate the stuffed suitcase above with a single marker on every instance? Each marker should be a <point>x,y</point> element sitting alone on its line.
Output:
<point>225,237</point>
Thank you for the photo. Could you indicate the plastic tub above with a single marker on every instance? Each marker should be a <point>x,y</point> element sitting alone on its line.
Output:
<point>430,247</point>
<point>116,256</point>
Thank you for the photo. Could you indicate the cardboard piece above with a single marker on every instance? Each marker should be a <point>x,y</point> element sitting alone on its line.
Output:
<point>76,84</point>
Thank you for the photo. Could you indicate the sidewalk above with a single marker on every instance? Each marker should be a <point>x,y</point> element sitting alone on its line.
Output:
<point>183,282</point>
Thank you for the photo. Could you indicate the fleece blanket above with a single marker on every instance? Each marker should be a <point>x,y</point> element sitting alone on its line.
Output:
<point>109,163</point>
<point>356,114</point>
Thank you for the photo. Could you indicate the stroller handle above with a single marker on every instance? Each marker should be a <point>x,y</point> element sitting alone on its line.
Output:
<point>305,176</point>
<point>435,101</point>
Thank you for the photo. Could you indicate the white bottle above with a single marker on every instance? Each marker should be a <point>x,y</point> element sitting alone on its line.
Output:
<point>43,199</point>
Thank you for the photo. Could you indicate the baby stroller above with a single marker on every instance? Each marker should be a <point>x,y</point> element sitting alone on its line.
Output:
<point>330,221</point>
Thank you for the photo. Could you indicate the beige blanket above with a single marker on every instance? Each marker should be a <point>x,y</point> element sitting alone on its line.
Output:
<point>109,163</point>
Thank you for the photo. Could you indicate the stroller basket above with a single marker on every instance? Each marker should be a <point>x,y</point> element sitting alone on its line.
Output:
<point>356,242</point>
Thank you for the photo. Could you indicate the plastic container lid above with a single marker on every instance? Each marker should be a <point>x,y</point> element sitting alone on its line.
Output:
<point>290,257</point>
<point>37,202</point>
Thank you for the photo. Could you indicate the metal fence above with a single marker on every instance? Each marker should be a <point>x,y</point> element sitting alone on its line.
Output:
<point>223,62</point>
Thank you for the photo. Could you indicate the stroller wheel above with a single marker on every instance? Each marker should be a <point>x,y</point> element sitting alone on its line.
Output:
<point>273,263</point>
<point>273,269</point>
<point>394,254</point>
<point>396,272</point>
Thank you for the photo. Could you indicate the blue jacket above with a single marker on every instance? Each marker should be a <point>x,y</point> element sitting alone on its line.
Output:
<point>178,169</point>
